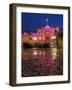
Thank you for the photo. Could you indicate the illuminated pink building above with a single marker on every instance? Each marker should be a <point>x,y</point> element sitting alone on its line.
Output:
<point>43,35</point>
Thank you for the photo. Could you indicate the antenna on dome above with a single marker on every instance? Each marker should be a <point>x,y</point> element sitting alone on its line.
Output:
<point>46,20</point>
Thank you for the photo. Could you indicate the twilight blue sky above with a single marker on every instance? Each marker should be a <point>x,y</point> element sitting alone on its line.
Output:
<point>32,21</point>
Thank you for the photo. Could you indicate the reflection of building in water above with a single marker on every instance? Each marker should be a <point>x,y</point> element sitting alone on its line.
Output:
<point>42,62</point>
<point>54,53</point>
<point>42,35</point>
<point>44,56</point>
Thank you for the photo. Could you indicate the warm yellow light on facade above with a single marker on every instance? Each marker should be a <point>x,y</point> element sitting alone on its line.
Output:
<point>34,38</point>
<point>53,37</point>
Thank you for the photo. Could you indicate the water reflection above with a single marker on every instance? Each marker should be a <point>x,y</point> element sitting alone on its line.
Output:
<point>42,62</point>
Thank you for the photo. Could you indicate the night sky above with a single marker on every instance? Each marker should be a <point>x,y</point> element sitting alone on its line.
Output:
<point>32,21</point>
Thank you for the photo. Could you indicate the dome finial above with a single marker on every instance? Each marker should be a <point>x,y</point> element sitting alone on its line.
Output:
<point>46,20</point>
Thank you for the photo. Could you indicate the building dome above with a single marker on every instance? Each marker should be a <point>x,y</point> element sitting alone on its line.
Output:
<point>47,28</point>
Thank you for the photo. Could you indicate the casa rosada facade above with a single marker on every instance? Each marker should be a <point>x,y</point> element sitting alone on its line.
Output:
<point>42,35</point>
